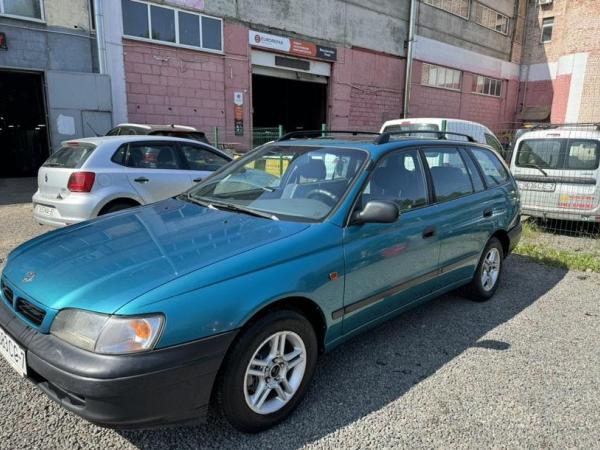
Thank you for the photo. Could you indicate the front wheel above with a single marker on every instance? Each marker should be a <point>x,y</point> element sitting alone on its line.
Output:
<point>268,370</point>
<point>487,276</point>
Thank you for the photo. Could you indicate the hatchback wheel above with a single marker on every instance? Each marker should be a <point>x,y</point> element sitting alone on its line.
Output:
<point>487,276</point>
<point>268,370</point>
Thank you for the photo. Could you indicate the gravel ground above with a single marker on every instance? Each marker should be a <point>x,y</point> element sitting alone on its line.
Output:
<point>520,371</point>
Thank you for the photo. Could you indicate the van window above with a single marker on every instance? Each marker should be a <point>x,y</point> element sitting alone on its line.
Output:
<point>71,156</point>
<point>449,174</point>
<point>493,170</point>
<point>565,154</point>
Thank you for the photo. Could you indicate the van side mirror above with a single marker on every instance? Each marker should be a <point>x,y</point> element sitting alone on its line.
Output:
<point>376,211</point>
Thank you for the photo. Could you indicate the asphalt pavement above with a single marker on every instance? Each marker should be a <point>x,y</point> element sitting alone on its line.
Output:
<point>519,371</point>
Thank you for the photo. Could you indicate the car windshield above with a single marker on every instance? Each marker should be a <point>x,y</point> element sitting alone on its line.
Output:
<point>302,183</point>
<point>71,156</point>
<point>563,154</point>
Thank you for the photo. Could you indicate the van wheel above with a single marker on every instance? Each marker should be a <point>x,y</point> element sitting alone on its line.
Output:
<point>267,371</point>
<point>487,276</point>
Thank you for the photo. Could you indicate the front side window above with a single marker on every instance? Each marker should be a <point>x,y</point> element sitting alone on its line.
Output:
<point>438,76</point>
<point>449,174</point>
<point>166,24</point>
<point>547,27</point>
<point>199,158</point>
<point>493,170</point>
<point>398,178</point>
<point>300,183</point>
<point>32,9</point>
<point>565,154</point>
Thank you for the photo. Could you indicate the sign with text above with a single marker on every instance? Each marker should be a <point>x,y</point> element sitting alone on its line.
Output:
<point>292,46</point>
<point>238,113</point>
<point>3,43</point>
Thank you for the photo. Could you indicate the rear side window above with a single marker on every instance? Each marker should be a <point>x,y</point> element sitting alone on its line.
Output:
<point>199,158</point>
<point>147,156</point>
<point>449,174</point>
<point>565,154</point>
<point>493,142</point>
<point>492,169</point>
<point>70,156</point>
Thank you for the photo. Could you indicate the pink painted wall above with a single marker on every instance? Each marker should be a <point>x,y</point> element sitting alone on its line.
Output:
<point>552,93</point>
<point>366,90</point>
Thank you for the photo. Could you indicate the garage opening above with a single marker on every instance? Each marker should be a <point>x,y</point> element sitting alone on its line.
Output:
<point>292,103</point>
<point>23,126</point>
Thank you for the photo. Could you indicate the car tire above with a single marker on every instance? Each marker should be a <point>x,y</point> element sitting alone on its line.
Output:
<point>242,383</point>
<point>118,206</point>
<point>487,276</point>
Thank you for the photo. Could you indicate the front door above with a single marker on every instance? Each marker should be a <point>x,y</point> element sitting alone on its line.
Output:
<point>388,266</point>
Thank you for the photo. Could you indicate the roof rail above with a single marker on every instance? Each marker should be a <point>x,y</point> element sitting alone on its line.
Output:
<point>307,134</point>
<point>545,126</point>
<point>384,138</point>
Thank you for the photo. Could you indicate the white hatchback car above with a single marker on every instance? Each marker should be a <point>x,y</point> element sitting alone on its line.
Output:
<point>95,176</point>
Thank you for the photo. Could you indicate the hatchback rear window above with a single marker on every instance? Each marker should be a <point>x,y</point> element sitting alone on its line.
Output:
<point>70,156</point>
<point>562,154</point>
<point>194,135</point>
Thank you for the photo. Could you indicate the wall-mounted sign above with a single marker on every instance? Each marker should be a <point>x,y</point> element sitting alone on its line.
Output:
<point>238,113</point>
<point>3,43</point>
<point>292,46</point>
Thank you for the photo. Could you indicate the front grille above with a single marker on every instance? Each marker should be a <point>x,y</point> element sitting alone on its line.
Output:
<point>31,312</point>
<point>8,293</point>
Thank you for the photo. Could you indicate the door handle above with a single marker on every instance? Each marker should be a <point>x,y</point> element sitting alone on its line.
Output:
<point>428,232</point>
<point>197,180</point>
<point>488,212</point>
<point>141,180</point>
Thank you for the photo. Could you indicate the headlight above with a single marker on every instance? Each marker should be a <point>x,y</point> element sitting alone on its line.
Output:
<point>102,333</point>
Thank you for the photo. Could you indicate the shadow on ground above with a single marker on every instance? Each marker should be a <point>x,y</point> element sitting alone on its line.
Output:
<point>378,367</point>
<point>17,190</point>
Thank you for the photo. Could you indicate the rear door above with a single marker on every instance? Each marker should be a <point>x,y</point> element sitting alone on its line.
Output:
<point>200,161</point>
<point>155,170</point>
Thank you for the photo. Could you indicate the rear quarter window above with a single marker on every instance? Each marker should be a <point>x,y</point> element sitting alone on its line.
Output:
<point>494,172</point>
<point>70,156</point>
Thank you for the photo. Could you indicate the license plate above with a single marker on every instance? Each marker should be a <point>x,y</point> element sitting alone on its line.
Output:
<point>13,353</point>
<point>45,210</point>
<point>537,186</point>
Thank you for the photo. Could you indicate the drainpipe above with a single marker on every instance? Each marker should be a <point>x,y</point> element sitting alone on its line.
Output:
<point>100,36</point>
<point>409,56</point>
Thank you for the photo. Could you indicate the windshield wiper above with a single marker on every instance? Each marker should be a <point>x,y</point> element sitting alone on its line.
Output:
<point>534,166</point>
<point>243,209</point>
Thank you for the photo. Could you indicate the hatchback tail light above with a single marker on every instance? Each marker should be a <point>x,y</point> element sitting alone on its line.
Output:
<point>81,181</point>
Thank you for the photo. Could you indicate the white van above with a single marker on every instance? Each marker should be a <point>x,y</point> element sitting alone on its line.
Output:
<point>476,130</point>
<point>557,173</point>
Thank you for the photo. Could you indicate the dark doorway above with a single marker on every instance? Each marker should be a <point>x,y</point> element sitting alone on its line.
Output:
<point>297,105</point>
<point>23,128</point>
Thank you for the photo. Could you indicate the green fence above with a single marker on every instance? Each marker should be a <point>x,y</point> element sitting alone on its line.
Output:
<point>262,135</point>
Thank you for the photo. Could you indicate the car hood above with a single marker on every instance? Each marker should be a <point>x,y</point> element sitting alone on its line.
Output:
<point>102,264</point>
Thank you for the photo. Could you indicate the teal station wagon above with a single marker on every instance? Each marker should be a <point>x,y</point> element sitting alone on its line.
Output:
<point>227,293</point>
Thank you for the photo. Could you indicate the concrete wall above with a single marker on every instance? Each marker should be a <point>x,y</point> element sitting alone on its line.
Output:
<point>68,14</point>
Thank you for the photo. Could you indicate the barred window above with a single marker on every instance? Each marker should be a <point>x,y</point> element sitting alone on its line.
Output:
<point>438,76</point>
<point>458,7</point>
<point>487,86</point>
<point>490,18</point>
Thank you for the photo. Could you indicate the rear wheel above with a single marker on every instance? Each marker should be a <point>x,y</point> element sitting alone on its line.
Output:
<point>487,276</point>
<point>116,206</point>
<point>268,370</point>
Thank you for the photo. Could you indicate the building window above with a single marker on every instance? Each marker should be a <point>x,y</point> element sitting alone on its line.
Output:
<point>547,26</point>
<point>442,77</point>
<point>487,86</point>
<point>31,9</point>
<point>490,18</point>
<point>458,7</point>
<point>171,25</point>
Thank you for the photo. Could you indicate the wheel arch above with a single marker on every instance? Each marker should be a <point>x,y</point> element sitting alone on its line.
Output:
<point>502,236</point>
<point>119,199</point>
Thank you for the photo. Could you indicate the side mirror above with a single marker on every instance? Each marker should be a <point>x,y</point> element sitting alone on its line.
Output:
<point>376,212</point>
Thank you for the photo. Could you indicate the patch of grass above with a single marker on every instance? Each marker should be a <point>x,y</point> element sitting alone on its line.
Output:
<point>559,258</point>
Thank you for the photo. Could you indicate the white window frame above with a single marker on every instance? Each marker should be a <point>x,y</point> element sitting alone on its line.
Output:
<point>487,10</point>
<point>31,19</point>
<point>177,44</point>
<point>544,26</point>
<point>428,2</point>
<point>487,94</point>
<point>447,70</point>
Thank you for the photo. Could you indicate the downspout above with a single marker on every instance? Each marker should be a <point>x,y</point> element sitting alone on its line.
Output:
<point>409,56</point>
<point>100,36</point>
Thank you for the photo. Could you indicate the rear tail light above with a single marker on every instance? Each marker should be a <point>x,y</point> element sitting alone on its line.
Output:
<point>81,181</point>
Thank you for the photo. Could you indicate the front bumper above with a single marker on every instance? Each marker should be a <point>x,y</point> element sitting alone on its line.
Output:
<point>150,389</point>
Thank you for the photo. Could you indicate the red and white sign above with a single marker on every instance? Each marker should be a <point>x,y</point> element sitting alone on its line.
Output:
<point>291,46</point>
